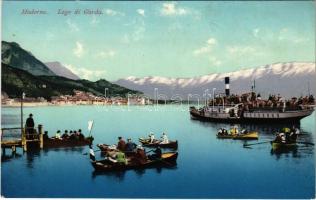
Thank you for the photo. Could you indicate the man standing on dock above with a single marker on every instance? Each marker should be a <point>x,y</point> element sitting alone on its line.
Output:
<point>29,125</point>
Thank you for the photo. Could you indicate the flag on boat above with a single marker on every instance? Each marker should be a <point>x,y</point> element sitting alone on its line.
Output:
<point>90,124</point>
<point>92,156</point>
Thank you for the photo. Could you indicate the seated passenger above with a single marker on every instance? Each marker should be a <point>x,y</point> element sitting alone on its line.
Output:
<point>65,135</point>
<point>120,158</point>
<point>151,138</point>
<point>165,139</point>
<point>80,135</point>
<point>121,145</point>
<point>57,135</point>
<point>157,154</point>
<point>140,156</point>
<point>130,146</point>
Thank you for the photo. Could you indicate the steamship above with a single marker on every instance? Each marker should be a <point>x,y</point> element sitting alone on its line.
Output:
<point>241,113</point>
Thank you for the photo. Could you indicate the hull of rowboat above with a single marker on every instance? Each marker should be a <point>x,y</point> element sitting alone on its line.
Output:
<point>250,136</point>
<point>62,143</point>
<point>278,146</point>
<point>168,160</point>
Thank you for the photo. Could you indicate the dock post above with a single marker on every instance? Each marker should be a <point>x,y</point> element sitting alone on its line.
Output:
<point>40,132</point>
<point>13,149</point>
<point>24,140</point>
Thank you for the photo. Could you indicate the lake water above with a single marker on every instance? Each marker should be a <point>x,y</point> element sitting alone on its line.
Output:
<point>207,167</point>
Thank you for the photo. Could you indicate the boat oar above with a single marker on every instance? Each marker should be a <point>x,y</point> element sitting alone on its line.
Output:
<point>247,145</point>
<point>93,150</point>
<point>309,143</point>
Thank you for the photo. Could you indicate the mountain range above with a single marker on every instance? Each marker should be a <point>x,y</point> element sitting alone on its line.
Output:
<point>23,72</point>
<point>287,79</point>
<point>13,55</point>
<point>61,70</point>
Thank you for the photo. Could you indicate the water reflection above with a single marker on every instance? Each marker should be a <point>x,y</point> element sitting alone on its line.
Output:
<point>298,151</point>
<point>7,158</point>
<point>119,175</point>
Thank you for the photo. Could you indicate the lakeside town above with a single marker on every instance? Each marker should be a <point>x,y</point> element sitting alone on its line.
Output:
<point>78,98</point>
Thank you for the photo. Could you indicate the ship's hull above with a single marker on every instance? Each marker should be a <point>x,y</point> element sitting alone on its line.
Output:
<point>292,117</point>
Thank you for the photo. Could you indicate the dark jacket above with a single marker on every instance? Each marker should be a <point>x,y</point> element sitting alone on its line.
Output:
<point>30,122</point>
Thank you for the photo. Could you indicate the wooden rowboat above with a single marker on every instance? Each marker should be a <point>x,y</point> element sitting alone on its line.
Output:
<point>104,148</point>
<point>248,136</point>
<point>65,142</point>
<point>283,146</point>
<point>167,159</point>
<point>171,144</point>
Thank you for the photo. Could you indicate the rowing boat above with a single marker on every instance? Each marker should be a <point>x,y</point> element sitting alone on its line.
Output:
<point>66,142</point>
<point>167,159</point>
<point>248,136</point>
<point>278,145</point>
<point>156,143</point>
<point>104,148</point>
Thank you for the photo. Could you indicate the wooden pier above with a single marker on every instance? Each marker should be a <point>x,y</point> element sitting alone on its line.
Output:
<point>23,140</point>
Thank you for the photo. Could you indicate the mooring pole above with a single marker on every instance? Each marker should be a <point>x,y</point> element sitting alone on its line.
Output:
<point>22,97</point>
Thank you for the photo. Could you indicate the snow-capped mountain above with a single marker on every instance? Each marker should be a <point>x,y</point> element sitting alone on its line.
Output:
<point>288,79</point>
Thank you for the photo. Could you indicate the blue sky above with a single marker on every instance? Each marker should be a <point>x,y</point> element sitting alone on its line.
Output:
<point>173,39</point>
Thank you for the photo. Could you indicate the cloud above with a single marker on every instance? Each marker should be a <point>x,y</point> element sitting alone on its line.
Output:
<point>106,54</point>
<point>171,9</point>
<point>288,35</point>
<point>78,51</point>
<point>255,32</point>
<point>241,50</point>
<point>141,12</point>
<point>214,61</point>
<point>210,43</point>
<point>111,12</point>
<point>72,26</point>
<point>138,31</point>
<point>85,73</point>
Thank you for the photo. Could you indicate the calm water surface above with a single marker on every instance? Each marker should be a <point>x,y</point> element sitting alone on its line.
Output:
<point>206,167</point>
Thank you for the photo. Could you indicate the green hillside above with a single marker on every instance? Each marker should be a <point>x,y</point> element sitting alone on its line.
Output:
<point>12,54</point>
<point>15,81</point>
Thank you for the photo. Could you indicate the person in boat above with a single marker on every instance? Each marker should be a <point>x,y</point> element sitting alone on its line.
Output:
<point>225,132</point>
<point>130,146</point>
<point>121,145</point>
<point>281,138</point>
<point>76,135</point>
<point>151,137</point>
<point>71,135</point>
<point>140,156</point>
<point>65,135</point>
<point>57,135</point>
<point>220,131</point>
<point>243,131</point>
<point>165,139</point>
<point>80,135</point>
<point>234,131</point>
<point>29,125</point>
<point>120,158</point>
<point>157,154</point>
<point>294,134</point>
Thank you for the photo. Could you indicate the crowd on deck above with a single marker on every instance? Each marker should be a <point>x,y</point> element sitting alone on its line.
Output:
<point>253,100</point>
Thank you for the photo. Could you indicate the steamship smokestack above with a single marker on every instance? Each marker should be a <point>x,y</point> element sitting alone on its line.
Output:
<point>227,86</point>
